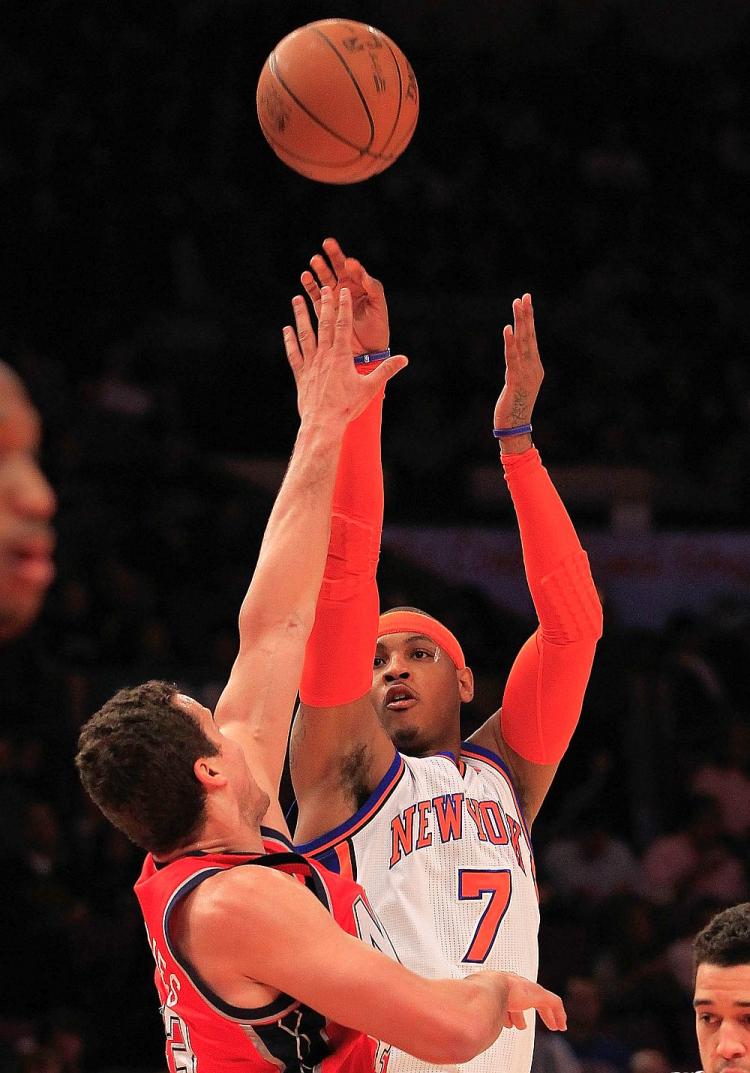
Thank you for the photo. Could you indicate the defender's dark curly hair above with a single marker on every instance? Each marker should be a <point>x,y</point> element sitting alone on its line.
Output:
<point>135,759</point>
<point>725,940</point>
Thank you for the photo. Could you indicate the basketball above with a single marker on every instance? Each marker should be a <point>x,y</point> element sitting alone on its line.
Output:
<point>337,101</point>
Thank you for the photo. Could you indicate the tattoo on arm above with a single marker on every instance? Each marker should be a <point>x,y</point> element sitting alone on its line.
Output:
<point>520,406</point>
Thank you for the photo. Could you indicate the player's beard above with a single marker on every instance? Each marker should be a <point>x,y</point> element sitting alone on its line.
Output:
<point>409,741</point>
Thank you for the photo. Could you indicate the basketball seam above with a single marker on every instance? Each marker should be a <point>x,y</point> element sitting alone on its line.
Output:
<point>355,83</point>
<point>388,158</point>
<point>313,160</point>
<point>400,95</point>
<point>274,69</point>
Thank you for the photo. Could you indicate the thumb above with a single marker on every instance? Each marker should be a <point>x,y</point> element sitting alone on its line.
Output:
<point>386,370</point>
<point>371,285</point>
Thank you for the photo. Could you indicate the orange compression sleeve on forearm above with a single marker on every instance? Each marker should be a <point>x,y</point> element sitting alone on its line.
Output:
<point>544,692</point>
<point>341,647</point>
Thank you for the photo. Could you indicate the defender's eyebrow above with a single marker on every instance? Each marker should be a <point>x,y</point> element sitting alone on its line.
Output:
<point>741,1003</point>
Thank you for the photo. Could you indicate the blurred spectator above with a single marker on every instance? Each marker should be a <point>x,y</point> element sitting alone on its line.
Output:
<point>591,864</point>
<point>695,862</point>
<point>726,779</point>
<point>552,1053</point>
<point>649,1060</point>
<point>595,1047</point>
<point>633,973</point>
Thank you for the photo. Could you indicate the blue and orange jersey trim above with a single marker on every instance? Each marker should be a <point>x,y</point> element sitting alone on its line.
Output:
<point>275,841</point>
<point>332,839</point>
<point>469,750</point>
<point>340,858</point>
<point>456,760</point>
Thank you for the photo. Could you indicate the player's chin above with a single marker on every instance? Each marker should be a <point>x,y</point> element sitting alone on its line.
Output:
<point>409,741</point>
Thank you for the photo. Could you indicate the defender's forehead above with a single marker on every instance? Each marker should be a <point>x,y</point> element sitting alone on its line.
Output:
<point>719,984</point>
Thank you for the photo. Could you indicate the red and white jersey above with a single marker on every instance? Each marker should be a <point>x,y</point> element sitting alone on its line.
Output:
<point>204,1033</point>
<point>444,854</point>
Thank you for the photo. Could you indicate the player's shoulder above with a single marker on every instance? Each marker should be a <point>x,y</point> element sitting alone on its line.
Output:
<point>488,761</point>
<point>244,889</point>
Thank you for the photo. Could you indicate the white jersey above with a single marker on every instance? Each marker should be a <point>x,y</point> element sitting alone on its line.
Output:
<point>444,855</point>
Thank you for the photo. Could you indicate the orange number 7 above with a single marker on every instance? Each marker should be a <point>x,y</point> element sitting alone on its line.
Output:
<point>473,883</point>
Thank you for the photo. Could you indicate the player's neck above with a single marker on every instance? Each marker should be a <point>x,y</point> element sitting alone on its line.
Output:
<point>451,746</point>
<point>219,837</point>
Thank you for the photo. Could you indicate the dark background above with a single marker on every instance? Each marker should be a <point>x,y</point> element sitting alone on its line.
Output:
<point>596,154</point>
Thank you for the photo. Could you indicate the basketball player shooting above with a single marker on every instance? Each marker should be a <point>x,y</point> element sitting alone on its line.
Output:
<point>438,830</point>
<point>259,963</point>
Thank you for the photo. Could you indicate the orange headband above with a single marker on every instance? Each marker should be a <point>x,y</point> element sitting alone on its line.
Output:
<point>415,622</point>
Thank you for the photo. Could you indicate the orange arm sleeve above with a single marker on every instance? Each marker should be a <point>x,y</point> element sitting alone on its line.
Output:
<point>544,692</point>
<point>341,647</point>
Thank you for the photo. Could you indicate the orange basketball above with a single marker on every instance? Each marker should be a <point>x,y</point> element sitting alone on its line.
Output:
<point>337,101</point>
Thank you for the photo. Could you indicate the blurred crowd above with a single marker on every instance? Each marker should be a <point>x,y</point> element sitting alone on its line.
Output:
<point>151,245</point>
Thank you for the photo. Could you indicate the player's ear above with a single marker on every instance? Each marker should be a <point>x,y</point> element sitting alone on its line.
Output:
<point>465,685</point>
<point>208,772</point>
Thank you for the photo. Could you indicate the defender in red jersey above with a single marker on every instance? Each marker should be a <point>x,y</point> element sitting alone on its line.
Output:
<point>198,1021</point>
<point>264,961</point>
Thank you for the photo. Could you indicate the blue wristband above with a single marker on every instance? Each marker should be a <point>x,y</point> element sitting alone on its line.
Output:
<point>372,359</point>
<point>519,430</point>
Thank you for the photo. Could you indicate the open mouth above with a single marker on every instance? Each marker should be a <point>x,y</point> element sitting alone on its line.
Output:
<point>399,699</point>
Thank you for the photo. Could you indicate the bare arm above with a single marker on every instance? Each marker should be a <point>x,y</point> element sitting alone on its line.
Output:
<point>278,611</point>
<point>292,944</point>
<point>544,693</point>
<point>338,749</point>
<point>337,757</point>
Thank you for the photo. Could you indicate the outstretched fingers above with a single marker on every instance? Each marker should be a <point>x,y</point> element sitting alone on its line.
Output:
<point>511,346</point>
<point>326,320</point>
<point>322,269</point>
<point>515,1019</point>
<point>525,995</point>
<point>293,352</point>
<point>386,371</point>
<point>361,278</point>
<point>309,282</point>
<point>523,319</point>
<point>554,1015</point>
<point>305,333</point>
<point>338,321</point>
<point>336,256</point>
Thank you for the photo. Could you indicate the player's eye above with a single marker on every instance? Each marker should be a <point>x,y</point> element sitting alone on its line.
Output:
<point>707,1018</point>
<point>421,653</point>
<point>378,662</point>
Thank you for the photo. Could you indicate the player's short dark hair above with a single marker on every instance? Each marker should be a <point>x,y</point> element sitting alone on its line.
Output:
<point>135,759</point>
<point>725,940</point>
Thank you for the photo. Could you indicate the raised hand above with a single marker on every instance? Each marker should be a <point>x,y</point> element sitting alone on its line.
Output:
<point>523,375</point>
<point>329,389</point>
<point>526,995</point>
<point>370,332</point>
